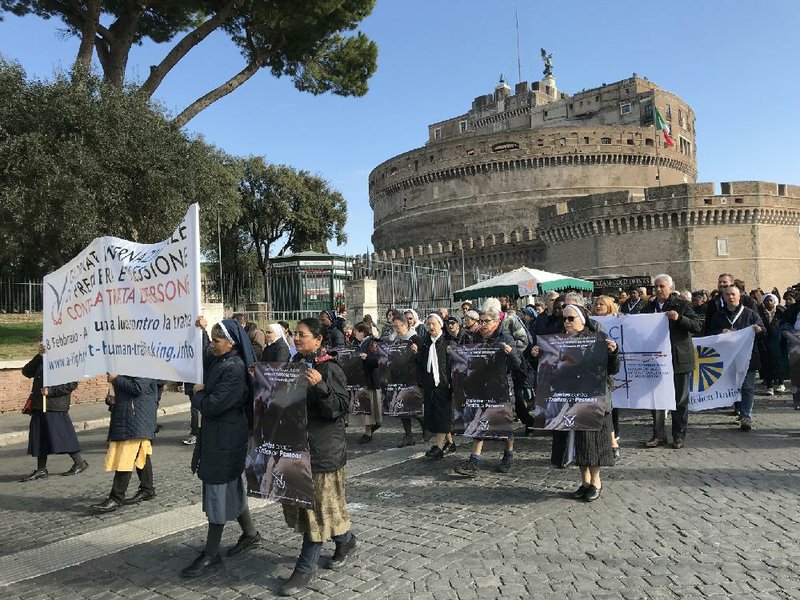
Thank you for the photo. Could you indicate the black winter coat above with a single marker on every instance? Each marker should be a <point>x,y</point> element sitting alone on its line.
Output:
<point>714,305</point>
<point>371,364</point>
<point>277,351</point>
<point>133,417</point>
<point>332,337</point>
<point>327,404</point>
<point>58,396</point>
<point>426,379</point>
<point>719,322</point>
<point>224,433</point>
<point>626,308</point>
<point>680,331</point>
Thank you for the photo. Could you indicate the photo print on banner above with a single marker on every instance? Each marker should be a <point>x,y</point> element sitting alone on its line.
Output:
<point>353,366</point>
<point>403,397</point>
<point>793,346</point>
<point>278,465</point>
<point>481,396</point>
<point>126,308</point>
<point>571,382</point>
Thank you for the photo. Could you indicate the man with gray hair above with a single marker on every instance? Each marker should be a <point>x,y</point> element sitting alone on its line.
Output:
<point>683,323</point>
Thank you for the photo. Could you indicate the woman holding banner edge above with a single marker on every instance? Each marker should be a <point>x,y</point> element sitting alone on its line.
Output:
<point>221,448</point>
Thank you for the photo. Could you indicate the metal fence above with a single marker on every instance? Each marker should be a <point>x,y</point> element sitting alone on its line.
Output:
<point>20,296</point>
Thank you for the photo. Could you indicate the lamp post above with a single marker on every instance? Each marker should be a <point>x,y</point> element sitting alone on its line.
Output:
<point>219,256</point>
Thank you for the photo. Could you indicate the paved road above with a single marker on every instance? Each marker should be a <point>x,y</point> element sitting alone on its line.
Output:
<point>719,519</point>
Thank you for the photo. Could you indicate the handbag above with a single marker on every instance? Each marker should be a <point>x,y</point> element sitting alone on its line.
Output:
<point>26,410</point>
<point>111,399</point>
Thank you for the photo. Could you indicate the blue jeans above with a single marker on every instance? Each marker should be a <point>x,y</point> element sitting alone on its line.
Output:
<point>748,395</point>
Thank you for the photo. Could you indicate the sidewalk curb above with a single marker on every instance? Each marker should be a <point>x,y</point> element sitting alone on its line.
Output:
<point>18,437</point>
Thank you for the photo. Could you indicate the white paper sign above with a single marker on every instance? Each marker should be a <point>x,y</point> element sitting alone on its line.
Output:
<point>720,366</point>
<point>126,308</point>
<point>645,377</point>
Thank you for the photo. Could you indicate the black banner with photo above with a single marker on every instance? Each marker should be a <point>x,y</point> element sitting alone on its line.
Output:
<point>571,382</point>
<point>793,348</point>
<point>353,366</point>
<point>402,397</point>
<point>481,396</point>
<point>278,465</point>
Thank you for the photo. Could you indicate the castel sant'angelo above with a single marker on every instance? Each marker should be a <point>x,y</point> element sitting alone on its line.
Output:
<point>580,184</point>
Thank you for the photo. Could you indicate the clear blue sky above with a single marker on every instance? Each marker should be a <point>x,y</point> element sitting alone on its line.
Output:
<point>737,63</point>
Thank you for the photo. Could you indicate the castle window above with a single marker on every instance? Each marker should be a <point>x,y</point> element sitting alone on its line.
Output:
<point>667,112</point>
<point>585,140</point>
<point>416,165</point>
<point>781,189</point>
<point>545,113</point>
<point>605,140</point>
<point>680,117</point>
<point>722,246</point>
<point>462,126</point>
<point>625,109</point>
<point>405,202</point>
<point>707,201</point>
<point>540,142</point>
<point>648,142</point>
<point>738,201</point>
<point>437,133</point>
<point>630,141</point>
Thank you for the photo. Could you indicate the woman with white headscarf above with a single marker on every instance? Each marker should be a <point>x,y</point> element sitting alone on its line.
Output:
<point>276,350</point>
<point>434,365</point>
<point>414,323</point>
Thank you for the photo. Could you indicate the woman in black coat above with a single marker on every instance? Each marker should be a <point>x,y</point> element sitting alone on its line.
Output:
<point>434,362</point>
<point>327,401</point>
<point>221,448</point>
<point>276,350</point>
<point>133,409</point>
<point>50,431</point>
<point>332,335</point>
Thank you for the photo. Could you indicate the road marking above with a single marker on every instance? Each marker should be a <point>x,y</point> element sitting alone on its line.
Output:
<point>30,564</point>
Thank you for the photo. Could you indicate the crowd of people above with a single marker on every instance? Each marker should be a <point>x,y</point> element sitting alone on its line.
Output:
<point>222,404</point>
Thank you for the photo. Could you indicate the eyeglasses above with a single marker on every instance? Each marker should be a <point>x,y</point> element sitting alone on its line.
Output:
<point>297,334</point>
<point>485,321</point>
<point>570,319</point>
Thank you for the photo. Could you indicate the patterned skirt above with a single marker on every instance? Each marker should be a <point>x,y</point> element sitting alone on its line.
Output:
<point>329,517</point>
<point>593,448</point>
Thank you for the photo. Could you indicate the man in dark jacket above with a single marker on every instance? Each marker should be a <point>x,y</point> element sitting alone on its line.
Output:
<point>130,433</point>
<point>715,304</point>
<point>634,304</point>
<point>683,324</point>
<point>734,316</point>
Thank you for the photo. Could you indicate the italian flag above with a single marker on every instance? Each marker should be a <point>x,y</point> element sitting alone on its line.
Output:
<point>661,125</point>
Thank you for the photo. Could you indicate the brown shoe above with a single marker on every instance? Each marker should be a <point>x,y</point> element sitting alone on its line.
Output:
<point>677,444</point>
<point>655,442</point>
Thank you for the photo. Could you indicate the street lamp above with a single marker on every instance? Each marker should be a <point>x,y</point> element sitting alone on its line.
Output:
<point>219,256</point>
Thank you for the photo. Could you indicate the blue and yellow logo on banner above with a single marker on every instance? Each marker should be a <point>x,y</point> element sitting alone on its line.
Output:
<point>708,367</point>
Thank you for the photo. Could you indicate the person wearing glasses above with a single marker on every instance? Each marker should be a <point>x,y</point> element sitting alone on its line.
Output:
<point>592,448</point>
<point>327,403</point>
<point>494,335</point>
<point>604,306</point>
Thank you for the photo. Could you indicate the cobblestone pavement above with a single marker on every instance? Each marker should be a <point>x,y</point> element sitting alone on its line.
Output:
<point>718,519</point>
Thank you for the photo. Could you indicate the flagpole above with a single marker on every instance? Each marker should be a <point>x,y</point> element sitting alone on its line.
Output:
<point>655,128</point>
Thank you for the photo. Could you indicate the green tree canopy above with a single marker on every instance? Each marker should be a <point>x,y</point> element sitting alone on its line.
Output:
<point>291,209</point>
<point>81,161</point>
<point>305,40</point>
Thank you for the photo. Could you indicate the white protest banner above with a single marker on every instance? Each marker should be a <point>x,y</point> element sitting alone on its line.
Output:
<point>126,308</point>
<point>720,366</point>
<point>645,377</point>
